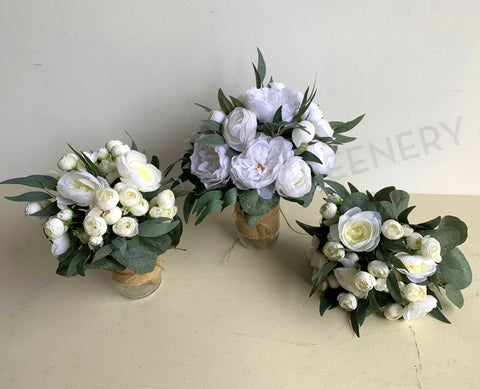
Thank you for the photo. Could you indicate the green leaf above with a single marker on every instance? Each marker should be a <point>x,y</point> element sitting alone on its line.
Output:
<point>120,244</point>
<point>230,197</point>
<point>384,194</point>
<point>342,139</point>
<point>211,207</point>
<point>258,80</point>
<point>152,228</point>
<point>354,322</point>
<point>225,105</point>
<point>314,230</point>
<point>237,103</point>
<point>251,220</point>
<point>188,205</point>
<point>430,225</point>
<point>155,162</point>
<point>322,276</point>
<point>307,156</point>
<point>50,209</point>
<point>261,68</point>
<point>393,288</point>
<point>160,243</point>
<point>77,264</point>
<point>176,233</point>
<point>30,196</point>
<point>328,301</point>
<point>397,263</point>
<point>277,117</point>
<point>34,181</point>
<point>373,301</point>
<point>338,188</point>
<point>232,153</point>
<point>106,263</point>
<point>356,199</point>
<point>400,198</point>
<point>362,311</point>
<point>133,242</point>
<point>102,252</point>
<point>141,259</point>
<point>68,255</point>
<point>89,165</point>
<point>206,198</point>
<point>212,139</point>
<point>253,204</point>
<point>134,145</point>
<point>403,216</point>
<point>203,107</point>
<point>169,168</point>
<point>335,124</point>
<point>454,295</point>
<point>447,236</point>
<point>457,224</point>
<point>348,125</point>
<point>213,124</point>
<point>455,270</point>
<point>352,187</point>
<point>396,246</point>
<point>437,314</point>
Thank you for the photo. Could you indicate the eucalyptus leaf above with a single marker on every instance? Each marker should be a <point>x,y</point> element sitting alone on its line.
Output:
<point>456,223</point>
<point>206,198</point>
<point>400,198</point>
<point>454,295</point>
<point>251,220</point>
<point>102,252</point>
<point>210,207</point>
<point>348,125</point>
<point>353,200</point>
<point>203,107</point>
<point>384,194</point>
<point>30,196</point>
<point>212,139</point>
<point>237,103</point>
<point>160,243</point>
<point>338,188</point>
<point>307,156</point>
<point>152,228</point>
<point>188,206</point>
<point>353,188</point>
<point>213,124</point>
<point>455,270</point>
<point>253,204</point>
<point>34,181</point>
<point>50,209</point>
<point>230,197</point>
<point>437,314</point>
<point>394,290</point>
<point>106,263</point>
<point>141,259</point>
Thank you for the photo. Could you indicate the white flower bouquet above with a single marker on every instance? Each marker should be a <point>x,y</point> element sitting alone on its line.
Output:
<point>104,210</point>
<point>268,143</point>
<point>367,257</point>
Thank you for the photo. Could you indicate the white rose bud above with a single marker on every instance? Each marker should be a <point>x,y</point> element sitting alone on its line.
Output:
<point>333,250</point>
<point>392,229</point>
<point>165,199</point>
<point>156,212</point>
<point>112,215</point>
<point>54,228</point>
<point>381,285</point>
<point>130,197</point>
<point>334,198</point>
<point>407,230</point>
<point>431,248</point>
<point>68,162</point>
<point>364,281</point>
<point>140,209</point>
<point>95,241</point>
<point>347,301</point>
<point>328,210</point>
<point>65,215</point>
<point>413,292</point>
<point>103,153</point>
<point>119,150</point>
<point>414,241</point>
<point>239,128</point>
<point>378,269</point>
<point>303,135</point>
<point>332,281</point>
<point>95,225</point>
<point>126,227</point>
<point>106,199</point>
<point>216,116</point>
<point>352,256</point>
<point>393,312</point>
<point>111,144</point>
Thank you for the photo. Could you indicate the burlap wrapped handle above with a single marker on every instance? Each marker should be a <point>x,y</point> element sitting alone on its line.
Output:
<point>267,226</point>
<point>129,278</point>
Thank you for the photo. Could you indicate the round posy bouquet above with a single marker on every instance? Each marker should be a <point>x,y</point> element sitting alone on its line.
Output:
<point>104,210</point>
<point>270,142</point>
<point>368,258</point>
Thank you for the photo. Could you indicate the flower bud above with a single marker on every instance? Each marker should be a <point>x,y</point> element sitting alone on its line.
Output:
<point>106,199</point>
<point>95,225</point>
<point>111,144</point>
<point>216,116</point>
<point>392,229</point>
<point>381,285</point>
<point>303,135</point>
<point>103,153</point>
<point>364,281</point>
<point>352,256</point>
<point>332,281</point>
<point>35,207</point>
<point>347,301</point>
<point>119,150</point>
<point>54,228</point>
<point>378,269</point>
<point>130,197</point>
<point>68,162</point>
<point>393,312</point>
<point>140,209</point>
<point>431,248</point>
<point>95,241</point>
<point>166,199</point>
<point>126,227</point>
<point>65,215</point>
<point>333,250</point>
<point>156,212</point>
<point>407,230</point>
<point>413,292</point>
<point>328,210</point>
<point>334,198</point>
<point>414,241</point>
<point>112,215</point>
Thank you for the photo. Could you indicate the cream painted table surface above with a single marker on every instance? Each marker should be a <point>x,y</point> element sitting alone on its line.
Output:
<point>248,323</point>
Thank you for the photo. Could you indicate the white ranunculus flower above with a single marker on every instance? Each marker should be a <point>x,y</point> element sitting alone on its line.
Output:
<point>332,281</point>
<point>210,164</point>
<point>119,186</point>
<point>325,154</point>
<point>61,245</point>
<point>65,215</point>
<point>328,210</point>
<point>129,197</point>
<point>294,179</point>
<point>79,188</point>
<point>392,229</point>
<point>266,101</point>
<point>166,199</point>
<point>216,116</point>
<point>106,199</point>
<point>352,256</point>
<point>140,209</point>
<point>381,285</point>
<point>347,301</point>
<point>378,269</point>
<point>393,312</point>
<point>95,225</point>
<point>119,150</point>
<point>126,227</point>
<point>360,231</point>
<point>258,167</point>
<point>407,230</point>
<point>68,162</point>
<point>95,241</point>
<point>322,126</point>
<point>239,128</point>
<point>54,228</point>
<point>161,212</point>
<point>106,166</point>
<point>431,248</point>
<point>364,281</point>
<point>103,153</point>
<point>112,215</point>
<point>414,241</point>
<point>413,292</point>
<point>111,144</point>
<point>418,268</point>
<point>318,259</point>
<point>303,134</point>
<point>345,277</point>
<point>134,169</point>
<point>419,308</point>
<point>334,198</point>
<point>333,251</point>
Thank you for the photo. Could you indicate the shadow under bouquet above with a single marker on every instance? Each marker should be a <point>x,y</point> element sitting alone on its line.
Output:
<point>368,258</point>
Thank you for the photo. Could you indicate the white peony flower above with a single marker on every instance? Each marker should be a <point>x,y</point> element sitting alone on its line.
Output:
<point>259,166</point>
<point>216,116</point>
<point>65,215</point>
<point>393,312</point>
<point>333,251</point>
<point>126,227</point>
<point>61,245</point>
<point>360,231</point>
<point>266,101</point>
<point>68,162</point>
<point>166,199</point>
<point>414,241</point>
<point>294,179</point>
<point>303,134</point>
<point>239,128</point>
<point>431,248</point>
<point>322,126</point>
<point>111,144</point>
<point>112,215</point>
<point>140,209</point>
<point>413,292</point>
<point>346,277</point>
<point>106,199</point>
<point>129,197</point>
<point>325,154</point>
<point>364,281</point>
<point>119,150</point>
<point>54,228</point>
<point>95,225</point>
<point>347,301</point>
<point>392,229</point>
<point>378,269</point>
<point>210,164</point>
<point>134,169</point>
<point>418,268</point>
<point>79,188</point>
<point>328,210</point>
<point>381,285</point>
<point>161,212</point>
<point>419,308</point>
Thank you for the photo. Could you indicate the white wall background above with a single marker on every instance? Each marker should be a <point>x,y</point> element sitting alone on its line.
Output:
<point>85,71</point>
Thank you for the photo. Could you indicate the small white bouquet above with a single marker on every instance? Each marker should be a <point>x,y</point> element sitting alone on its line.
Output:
<point>367,257</point>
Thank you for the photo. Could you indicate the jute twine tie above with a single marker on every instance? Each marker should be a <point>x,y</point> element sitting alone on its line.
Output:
<point>267,226</point>
<point>129,278</point>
